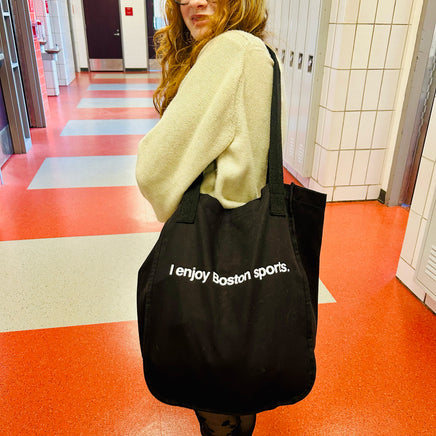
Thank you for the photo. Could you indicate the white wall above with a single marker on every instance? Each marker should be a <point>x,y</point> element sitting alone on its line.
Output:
<point>134,34</point>
<point>362,80</point>
<point>404,77</point>
<point>60,26</point>
<point>420,210</point>
<point>78,25</point>
<point>133,31</point>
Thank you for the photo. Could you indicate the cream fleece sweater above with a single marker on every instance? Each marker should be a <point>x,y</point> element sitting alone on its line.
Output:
<point>218,123</point>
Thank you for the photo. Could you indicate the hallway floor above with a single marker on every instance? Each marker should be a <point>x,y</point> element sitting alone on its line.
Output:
<point>74,230</point>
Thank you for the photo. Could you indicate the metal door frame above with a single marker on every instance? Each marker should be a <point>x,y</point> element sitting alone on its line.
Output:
<point>407,137</point>
<point>13,91</point>
<point>28,63</point>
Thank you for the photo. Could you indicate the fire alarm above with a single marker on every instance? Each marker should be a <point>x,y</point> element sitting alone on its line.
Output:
<point>129,11</point>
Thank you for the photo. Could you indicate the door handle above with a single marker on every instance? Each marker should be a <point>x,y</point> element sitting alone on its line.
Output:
<point>300,60</point>
<point>310,64</point>
<point>117,32</point>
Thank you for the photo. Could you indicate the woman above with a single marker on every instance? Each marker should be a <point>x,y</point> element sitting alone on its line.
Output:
<point>214,101</point>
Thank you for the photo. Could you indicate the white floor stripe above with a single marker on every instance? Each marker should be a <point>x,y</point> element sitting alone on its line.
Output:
<point>122,87</point>
<point>91,103</point>
<point>63,282</point>
<point>127,76</point>
<point>108,127</point>
<point>85,172</point>
<point>70,281</point>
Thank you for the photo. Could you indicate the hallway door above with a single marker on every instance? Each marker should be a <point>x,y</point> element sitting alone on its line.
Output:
<point>421,126</point>
<point>6,148</point>
<point>103,33</point>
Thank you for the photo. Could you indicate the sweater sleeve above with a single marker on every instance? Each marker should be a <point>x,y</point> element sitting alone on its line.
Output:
<point>195,129</point>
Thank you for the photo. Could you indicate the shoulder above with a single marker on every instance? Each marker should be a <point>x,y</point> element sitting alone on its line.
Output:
<point>234,43</point>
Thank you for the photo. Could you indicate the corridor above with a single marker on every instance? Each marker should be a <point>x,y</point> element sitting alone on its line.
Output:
<point>74,230</point>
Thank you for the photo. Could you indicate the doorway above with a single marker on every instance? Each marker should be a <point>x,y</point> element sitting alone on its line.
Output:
<point>103,34</point>
<point>6,148</point>
<point>155,21</point>
<point>416,112</point>
<point>421,126</point>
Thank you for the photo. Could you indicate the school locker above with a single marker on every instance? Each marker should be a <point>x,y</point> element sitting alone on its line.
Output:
<point>299,29</point>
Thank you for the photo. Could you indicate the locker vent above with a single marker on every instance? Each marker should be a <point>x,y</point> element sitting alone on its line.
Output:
<point>301,154</point>
<point>291,148</point>
<point>430,268</point>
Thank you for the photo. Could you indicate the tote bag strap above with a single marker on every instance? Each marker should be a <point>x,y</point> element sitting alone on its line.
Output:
<point>188,206</point>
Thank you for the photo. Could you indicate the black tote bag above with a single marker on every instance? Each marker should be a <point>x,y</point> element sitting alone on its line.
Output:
<point>227,299</point>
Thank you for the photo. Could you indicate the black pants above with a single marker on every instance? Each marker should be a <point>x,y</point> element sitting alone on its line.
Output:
<point>213,424</point>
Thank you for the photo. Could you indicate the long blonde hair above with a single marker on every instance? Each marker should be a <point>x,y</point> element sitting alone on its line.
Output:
<point>177,51</point>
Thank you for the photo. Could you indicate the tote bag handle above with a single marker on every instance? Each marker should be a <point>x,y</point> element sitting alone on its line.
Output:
<point>188,206</point>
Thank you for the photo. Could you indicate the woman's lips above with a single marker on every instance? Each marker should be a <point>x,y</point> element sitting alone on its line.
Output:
<point>199,19</point>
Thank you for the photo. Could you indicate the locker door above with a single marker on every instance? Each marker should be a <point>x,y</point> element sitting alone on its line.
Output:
<point>290,157</point>
<point>284,25</point>
<point>277,23</point>
<point>289,70</point>
<point>271,20</point>
<point>291,37</point>
<point>304,146</point>
<point>307,43</point>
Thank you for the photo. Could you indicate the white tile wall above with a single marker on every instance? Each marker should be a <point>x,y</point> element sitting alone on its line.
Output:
<point>320,127</point>
<point>350,130</point>
<point>372,90</point>
<point>337,91</point>
<point>62,37</point>
<point>419,243</point>
<point>350,193</point>
<point>360,167</point>
<point>422,186</point>
<point>379,46</point>
<point>419,216</point>
<point>345,167</point>
<point>366,129</point>
<point>389,90</point>
<point>50,71</point>
<point>343,47</point>
<point>330,45</point>
<point>365,47</point>
<point>334,11</point>
<point>385,11</point>
<point>362,45</point>
<point>411,236</point>
<point>373,192</point>
<point>348,11</point>
<point>402,12</point>
<point>375,166</point>
<point>331,138</point>
<point>368,9</point>
<point>382,129</point>
<point>356,90</point>
<point>396,47</point>
<point>327,167</point>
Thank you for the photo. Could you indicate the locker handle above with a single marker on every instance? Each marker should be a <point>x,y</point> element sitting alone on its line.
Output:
<point>291,61</point>
<point>310,64</point>
<point>300,60</point>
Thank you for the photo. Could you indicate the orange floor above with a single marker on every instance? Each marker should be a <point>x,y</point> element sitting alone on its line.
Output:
<point>376,346</point>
